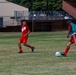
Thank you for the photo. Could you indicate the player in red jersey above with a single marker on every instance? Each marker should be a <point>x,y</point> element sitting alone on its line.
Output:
<point>25,32</point>
<point>72,35</point>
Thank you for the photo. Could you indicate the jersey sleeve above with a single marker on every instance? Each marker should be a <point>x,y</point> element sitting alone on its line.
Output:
<point>69,27</point>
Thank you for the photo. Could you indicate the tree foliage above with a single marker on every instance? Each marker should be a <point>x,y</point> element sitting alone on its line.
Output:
<point>40,5</point>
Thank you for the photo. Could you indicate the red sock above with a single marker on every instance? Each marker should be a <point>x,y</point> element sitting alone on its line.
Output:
<point>67,49</point>
<point>30,46</point>
<point>20,49</point>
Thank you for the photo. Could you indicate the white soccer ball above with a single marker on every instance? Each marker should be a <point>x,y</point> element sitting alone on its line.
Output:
<point>57,54</point>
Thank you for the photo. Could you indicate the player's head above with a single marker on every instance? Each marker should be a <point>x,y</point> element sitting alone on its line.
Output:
<point>68,21</point>
<point>23,22</point>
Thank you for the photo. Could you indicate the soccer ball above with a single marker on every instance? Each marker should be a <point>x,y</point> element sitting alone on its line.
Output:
<point>57,54</point>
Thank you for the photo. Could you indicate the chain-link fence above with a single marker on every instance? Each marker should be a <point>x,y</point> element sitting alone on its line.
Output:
<point>42,15</point>
<point>34,15</point>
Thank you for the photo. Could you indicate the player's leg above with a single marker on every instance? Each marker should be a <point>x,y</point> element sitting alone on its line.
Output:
<point>19,46</point>
<point>27,45</point>
<point>68,47</point>
<point>74,37</point>
<point>32,48</point>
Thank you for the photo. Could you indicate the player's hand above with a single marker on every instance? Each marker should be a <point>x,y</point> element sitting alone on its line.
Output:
<point>27,33</point>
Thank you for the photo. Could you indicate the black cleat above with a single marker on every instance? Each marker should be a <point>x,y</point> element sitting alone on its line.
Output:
<point>20,52</point>
<point>32,49</point>
<point>63,54</point>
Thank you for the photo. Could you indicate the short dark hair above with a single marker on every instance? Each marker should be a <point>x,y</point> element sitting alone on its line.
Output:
<point>22,21</point>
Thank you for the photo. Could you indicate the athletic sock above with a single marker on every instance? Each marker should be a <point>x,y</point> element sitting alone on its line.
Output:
<point>20,49</point>
<point>30,46</point>
<point>66,50</point>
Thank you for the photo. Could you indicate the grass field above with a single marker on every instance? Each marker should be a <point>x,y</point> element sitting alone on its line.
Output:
<point>42,61</point>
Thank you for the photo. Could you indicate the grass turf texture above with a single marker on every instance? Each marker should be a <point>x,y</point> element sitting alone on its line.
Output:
<point>42,61</point>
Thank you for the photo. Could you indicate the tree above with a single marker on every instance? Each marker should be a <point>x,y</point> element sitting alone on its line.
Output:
<point>40,5</point>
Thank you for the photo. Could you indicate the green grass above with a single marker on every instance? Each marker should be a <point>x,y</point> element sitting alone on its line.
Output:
<point>42,61</point>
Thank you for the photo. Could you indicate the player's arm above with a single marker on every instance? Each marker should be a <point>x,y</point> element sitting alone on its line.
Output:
<point>27,33</point>
<point>69,30</point>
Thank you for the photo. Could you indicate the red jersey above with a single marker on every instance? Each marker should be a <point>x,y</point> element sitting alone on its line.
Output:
<point>25,29</point>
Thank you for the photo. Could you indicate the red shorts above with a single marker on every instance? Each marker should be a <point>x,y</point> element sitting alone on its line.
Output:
<point>73,39</point>
<point>23,39</point>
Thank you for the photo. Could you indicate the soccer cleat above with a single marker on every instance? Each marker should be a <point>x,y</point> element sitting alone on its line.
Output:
<point>20,52</point>
<point>63,54</point>
<point>32,49</point>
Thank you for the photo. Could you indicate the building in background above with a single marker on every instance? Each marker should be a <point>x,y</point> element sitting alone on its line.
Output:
<point>8,12</point>
<point>70,7</point>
